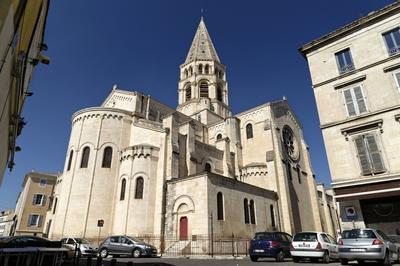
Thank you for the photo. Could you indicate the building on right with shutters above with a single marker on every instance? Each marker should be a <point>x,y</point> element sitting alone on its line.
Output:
<point>355,73</point>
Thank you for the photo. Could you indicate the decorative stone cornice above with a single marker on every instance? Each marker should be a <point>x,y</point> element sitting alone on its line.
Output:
<point>100,112</point>
<point>139,151</point>
<point>375,124</point>
<point>254,169</point>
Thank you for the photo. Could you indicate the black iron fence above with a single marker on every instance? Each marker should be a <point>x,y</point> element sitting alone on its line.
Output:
<point>199,245</point>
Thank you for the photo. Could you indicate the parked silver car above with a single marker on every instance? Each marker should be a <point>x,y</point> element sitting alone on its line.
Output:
<point>83,247</point>
<point>366,244</point>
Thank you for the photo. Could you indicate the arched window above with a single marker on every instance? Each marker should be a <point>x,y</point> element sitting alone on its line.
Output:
<point>188,93</point>
<point>219,136</point>
<point>219,94</point>
<point>249,131</point>
<point>252,212</point>
<point>55,205</point>
<point>71,155</point>
<point>207,167</point>
<point>85,157</point>
<point>204,89</point>
<point>200,69</point>
<point>271,209</point>
<point>139,188</point>
<point>185,73</point>
<point>220,206</point>
<point>123,187</point>
<point>107,157</point>
<point>246,211</point>
<point>207,69</point>
<point>216,71</point>
<point>220,74</point>
<point>190,71</point>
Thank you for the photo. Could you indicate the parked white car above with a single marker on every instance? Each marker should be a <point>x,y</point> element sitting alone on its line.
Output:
<point>314,246</point>
<point>84,247</point>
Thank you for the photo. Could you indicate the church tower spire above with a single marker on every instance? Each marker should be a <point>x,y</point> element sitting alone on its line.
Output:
<point>203,90</point>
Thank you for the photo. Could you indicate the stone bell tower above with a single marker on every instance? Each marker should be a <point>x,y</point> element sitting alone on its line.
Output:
<point>203,90</point>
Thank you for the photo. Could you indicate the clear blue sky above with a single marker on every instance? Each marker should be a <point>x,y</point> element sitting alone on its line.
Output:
<point>139,45</point>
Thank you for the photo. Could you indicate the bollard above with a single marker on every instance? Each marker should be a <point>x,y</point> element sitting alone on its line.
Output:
<point>113,262</point>
<point>130,263</point>
<point>89,261</point>
<point>99,261</point>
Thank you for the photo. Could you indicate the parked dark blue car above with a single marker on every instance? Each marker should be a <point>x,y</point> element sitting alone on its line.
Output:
<point>270,245</point>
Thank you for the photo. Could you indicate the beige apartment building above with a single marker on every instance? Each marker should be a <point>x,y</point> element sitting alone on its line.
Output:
<point>22,26</point>
<point>145,168</point>
<point>355,73</point>
<point>33,203</point>
<point>6,222</point>
<point>328,210</point>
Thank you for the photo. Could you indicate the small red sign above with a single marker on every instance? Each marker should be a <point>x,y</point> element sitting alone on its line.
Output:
<point>100,223</point>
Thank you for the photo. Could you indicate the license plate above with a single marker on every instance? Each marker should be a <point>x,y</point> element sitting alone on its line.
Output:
<point>258,250</point>
<point>357,249</point>
<point>304,245</point>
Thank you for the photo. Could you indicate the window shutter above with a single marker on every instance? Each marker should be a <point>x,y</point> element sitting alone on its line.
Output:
<point>29,220</point>
<point>348,100</point>
<point>362,108</point>
<point>397,78</point>
<point>40,220</point>
<point>363,156</point>
<point>34,199</point>
<point>44,200</point>
<point>375,154</point>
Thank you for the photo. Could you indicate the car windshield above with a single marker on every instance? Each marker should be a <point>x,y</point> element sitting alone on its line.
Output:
<point>263,236</point>
<point>82,241</point>
<point>306,237</point>
<point>358,233</point>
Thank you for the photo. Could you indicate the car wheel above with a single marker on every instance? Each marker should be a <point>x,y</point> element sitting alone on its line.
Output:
<point>344,262</point>
<point>253,258</point>
<point>398,257</point>
<point>103,253</point>
<point>295,259</point>
<point>325,257</point>
<point>136,253</point>
<point>386,260</point>
<point>280,256</point>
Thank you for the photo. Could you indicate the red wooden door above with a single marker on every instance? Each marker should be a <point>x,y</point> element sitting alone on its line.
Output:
<point>183,228</point>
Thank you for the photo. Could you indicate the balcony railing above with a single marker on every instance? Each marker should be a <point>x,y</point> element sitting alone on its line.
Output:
<point>346,68</point>
<point>394,50</point>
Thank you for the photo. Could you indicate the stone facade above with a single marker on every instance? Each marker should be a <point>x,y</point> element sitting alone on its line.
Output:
<point>148,169</point>
<point>34,202</point>
<point>354,72</point>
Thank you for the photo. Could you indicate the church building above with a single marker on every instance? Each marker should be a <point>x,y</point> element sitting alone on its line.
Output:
<point>145,168</point>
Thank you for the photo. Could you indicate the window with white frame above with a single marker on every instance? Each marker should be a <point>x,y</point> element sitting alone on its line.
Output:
<point>369,154</point>
<point>34,220</point>
<point>344,61</point>
<point>354,100</point>
<point>392,40</point>
<point>38,199</point>
<point>42,182</point>
<point>396,76</point>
